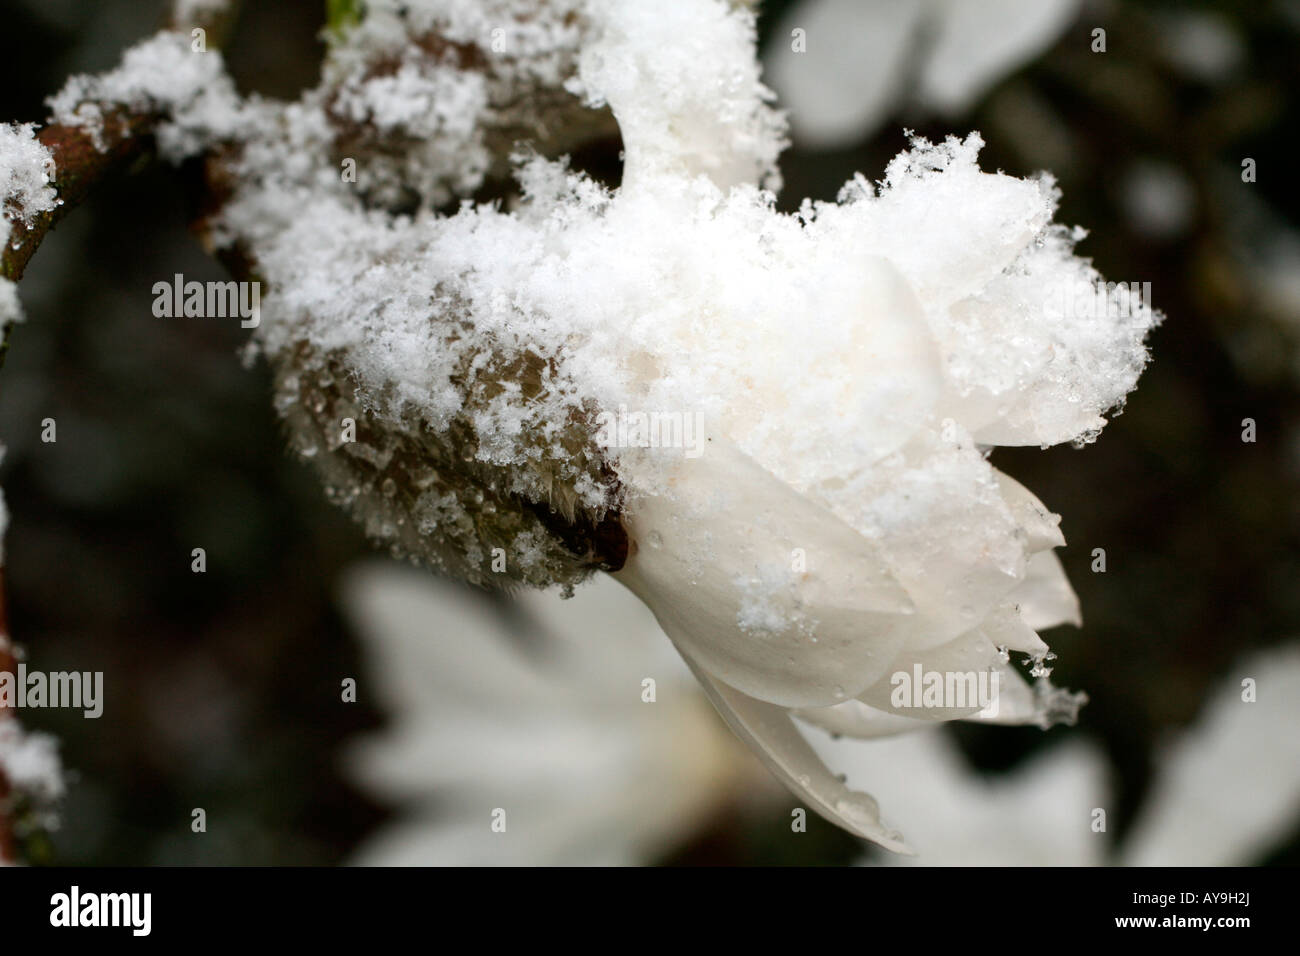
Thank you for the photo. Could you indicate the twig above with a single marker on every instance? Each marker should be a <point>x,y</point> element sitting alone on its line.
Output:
<point>80,164</point>
<point>79,167</point>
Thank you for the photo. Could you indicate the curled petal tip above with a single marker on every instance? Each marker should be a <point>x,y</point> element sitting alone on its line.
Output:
<point>769,730</point>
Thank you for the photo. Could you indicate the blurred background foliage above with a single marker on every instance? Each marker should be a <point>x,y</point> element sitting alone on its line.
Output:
<point>223,688</point>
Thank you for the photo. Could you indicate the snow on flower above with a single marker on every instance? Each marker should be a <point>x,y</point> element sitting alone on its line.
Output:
<point>444,366</point>
<point>548,723</point>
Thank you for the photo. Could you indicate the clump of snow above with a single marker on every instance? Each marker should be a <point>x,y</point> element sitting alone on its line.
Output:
<point>511,36</point>
<point>165,75</point>
<point>435,112</point>
<point>11,307</point>
<point>30,763</point>
<point>1037,346</point>
<point>26,174</point>
<point>433,94</point>
<point>709,112</point>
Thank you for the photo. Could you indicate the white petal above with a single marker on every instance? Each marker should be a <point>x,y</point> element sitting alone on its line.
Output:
<point>773,736</point>
<point>1016,703</point>
<point>1005,627</point>
<point>604,640</point>
<point>538,833</point>
<point>1230,787</point>
<point>946,531</point>
<point>977,44</point>
<point>433,644</point>
<point>970,654</point>
<point>716,562</point>
<point>855,719</point>
<point>854,68</point>
<point>1045,597</point>
<point>1036,815</point>
<point>1041,526</point>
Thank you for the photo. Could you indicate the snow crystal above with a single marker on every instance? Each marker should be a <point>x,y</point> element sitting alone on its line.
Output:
<point>26,171</point>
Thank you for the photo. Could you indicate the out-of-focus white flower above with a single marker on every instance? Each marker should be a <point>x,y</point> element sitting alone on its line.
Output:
<point>1159,199</point>
<point>30,765</point>
<point>1229,787</point>
<point>1036,815</point>
<point>547,722</point>
<point>856,61</point>
<point>1203,44</point>
<point>1223,793</point>
<point>539,713</point>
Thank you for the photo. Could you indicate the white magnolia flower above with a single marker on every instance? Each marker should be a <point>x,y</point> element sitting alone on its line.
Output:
<point>1228,789</point>
<point>540,714</point>
<point>847,367</point>
<point>853,62</point>
<point>843,525</point>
